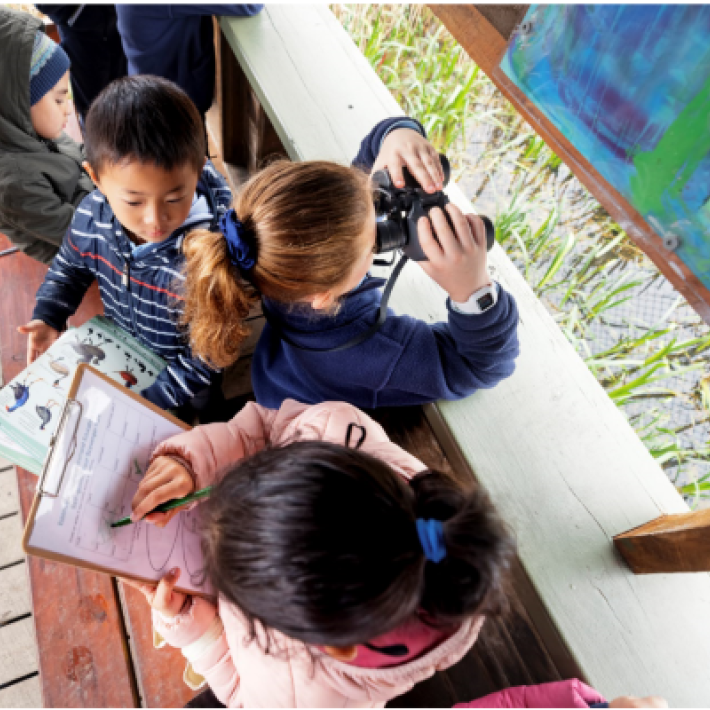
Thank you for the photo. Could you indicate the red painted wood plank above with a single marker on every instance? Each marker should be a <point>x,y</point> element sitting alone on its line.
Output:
<point>82,651</point>
<point>158,670</point>
<point>20,277</point>
<point>81,644</point>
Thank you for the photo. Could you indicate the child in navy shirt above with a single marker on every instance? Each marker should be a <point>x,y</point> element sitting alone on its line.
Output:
<point>146,153</point>
<point>301,237</point>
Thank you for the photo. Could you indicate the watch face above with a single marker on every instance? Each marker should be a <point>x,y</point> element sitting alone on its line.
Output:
<point>485,301</point>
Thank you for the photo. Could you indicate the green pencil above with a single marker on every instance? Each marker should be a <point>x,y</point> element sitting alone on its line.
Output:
<point>165,507</point>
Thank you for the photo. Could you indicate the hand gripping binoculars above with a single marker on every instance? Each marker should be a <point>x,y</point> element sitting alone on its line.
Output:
<point>400,208</point>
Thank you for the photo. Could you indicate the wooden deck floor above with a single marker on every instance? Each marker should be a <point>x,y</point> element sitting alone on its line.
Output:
<point>19,682</point>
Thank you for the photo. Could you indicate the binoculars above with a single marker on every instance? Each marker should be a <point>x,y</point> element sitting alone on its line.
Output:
<point>400,208</point>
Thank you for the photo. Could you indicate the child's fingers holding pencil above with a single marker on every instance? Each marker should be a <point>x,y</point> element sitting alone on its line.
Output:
<point>149,498</point>
<point>165,480</point>
<point>160,520</point>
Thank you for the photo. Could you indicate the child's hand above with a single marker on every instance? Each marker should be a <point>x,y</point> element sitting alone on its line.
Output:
<point>164,480</point>
<point>404,146</point>
<point>41,336</point>
<point>629,701</point>
<point>457,260</point>
<point>162,597</point>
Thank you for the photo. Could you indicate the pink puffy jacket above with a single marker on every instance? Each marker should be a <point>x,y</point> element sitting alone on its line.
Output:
<point>562,694</point>
<point>213,639</point>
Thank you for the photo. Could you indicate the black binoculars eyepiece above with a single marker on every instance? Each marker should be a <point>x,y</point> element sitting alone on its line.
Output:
<point>400,208</point>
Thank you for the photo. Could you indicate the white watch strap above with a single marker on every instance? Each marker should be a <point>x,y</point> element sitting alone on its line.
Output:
<point>471,306</point>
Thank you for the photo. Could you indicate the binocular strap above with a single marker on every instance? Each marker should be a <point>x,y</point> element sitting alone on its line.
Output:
<point>381,317</point>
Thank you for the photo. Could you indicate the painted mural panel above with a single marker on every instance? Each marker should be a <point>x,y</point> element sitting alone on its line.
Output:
<point>629,86</point>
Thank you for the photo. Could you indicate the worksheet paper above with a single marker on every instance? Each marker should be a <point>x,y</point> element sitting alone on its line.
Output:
<point>115,437</point>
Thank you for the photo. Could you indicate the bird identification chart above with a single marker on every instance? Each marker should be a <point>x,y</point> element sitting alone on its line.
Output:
<point>100,455</point>
<point>30,404</point>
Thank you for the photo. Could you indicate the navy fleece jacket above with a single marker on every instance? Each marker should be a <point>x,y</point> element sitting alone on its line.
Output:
<point>407,362</point>
<point>176,42</point>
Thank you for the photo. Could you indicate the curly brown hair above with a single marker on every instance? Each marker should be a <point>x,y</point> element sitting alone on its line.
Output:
<point>307,220</point>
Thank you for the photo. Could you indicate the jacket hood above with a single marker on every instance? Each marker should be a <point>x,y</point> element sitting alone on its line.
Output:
<point>17,33</point>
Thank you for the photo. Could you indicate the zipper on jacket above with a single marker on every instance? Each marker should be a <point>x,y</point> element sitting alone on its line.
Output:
<point>126,281</point>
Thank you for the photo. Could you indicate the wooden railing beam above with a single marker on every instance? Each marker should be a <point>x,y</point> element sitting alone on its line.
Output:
<point>558,458</point>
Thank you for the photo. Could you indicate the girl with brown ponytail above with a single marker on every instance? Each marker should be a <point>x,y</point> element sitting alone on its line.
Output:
<point>301,238</point>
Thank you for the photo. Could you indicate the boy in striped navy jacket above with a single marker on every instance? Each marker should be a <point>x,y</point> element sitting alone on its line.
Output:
<point>146,152</point>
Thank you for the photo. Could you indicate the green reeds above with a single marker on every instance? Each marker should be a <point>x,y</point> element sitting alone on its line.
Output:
<point>420,63</point>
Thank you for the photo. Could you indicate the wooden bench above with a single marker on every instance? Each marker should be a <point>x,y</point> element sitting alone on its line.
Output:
<point>558,457</point>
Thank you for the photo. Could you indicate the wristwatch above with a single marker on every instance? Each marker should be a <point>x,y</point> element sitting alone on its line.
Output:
<point>479,302</point>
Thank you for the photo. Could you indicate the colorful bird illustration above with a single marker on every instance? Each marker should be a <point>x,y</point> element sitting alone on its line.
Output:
<point>45,412</point>
<point>87,351</point>
<point>21,391</point>
<point>60,368</point>
<point>130,380</point>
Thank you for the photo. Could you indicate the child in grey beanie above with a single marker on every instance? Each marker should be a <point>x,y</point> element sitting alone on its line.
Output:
<point>41,175</point>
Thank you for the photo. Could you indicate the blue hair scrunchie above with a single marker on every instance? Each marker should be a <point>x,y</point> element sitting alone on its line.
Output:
<point>240,247</point>
<point>431,535</point>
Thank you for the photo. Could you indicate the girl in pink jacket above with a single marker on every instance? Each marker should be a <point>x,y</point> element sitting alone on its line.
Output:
<point>345,571</point>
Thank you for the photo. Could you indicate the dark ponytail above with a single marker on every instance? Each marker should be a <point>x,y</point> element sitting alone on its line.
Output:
<point>473,576</point>
<point>320,542</point>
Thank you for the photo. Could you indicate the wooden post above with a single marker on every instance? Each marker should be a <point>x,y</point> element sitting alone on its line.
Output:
<point>235,100</point>
<point>247,136</point>
<point>671,543</point>
<point>505,18</point>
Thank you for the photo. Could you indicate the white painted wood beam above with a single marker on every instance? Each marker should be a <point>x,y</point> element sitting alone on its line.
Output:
<point>558,457</point>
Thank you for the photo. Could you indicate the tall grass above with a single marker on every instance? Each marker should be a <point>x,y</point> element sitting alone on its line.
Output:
<point>421,64</point>
<point>601,289</point>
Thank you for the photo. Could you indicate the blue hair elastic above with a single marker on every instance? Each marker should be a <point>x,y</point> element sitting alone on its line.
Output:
<point>240,246</point>
<point>431,535</point>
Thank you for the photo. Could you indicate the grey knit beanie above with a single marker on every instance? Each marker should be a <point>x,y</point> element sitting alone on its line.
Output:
<point>49,64</point>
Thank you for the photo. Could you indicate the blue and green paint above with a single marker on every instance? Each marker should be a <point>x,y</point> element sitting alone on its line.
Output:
<point>629,86</point>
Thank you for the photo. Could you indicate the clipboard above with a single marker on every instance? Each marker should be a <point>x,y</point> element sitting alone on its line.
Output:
<point>88,477</point>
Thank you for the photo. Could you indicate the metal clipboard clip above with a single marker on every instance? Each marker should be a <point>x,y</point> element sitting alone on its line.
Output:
<point>68,405</point>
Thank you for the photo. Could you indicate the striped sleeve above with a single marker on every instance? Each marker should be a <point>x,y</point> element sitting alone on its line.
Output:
<point>180,381</point>
<point>63,287</point>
